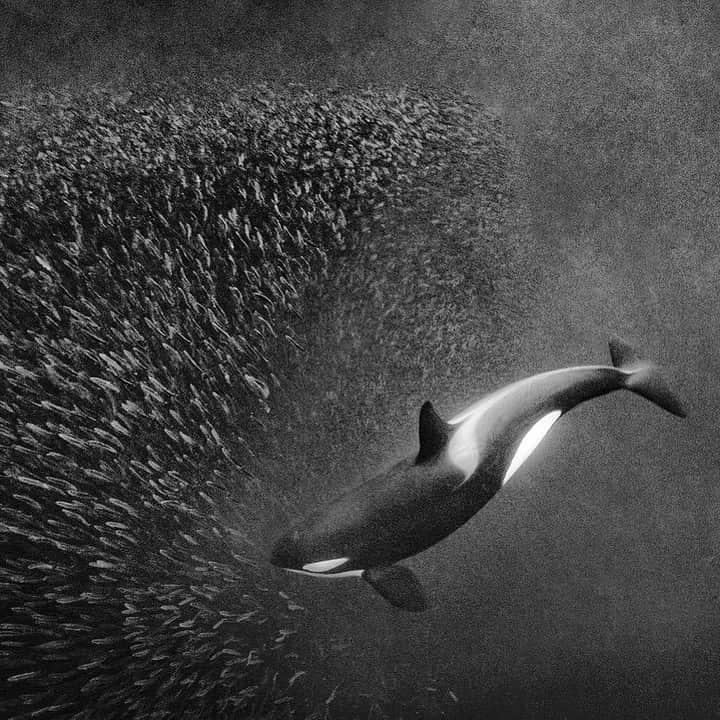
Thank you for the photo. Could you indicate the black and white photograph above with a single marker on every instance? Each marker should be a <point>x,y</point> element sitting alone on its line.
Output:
<point>359,360</point>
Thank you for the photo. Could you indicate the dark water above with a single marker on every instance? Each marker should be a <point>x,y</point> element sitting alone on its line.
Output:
<point>589,587</point>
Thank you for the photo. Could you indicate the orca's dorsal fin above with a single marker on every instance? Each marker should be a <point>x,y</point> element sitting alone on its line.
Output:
<point>398,586</point>
<point>434,433</point>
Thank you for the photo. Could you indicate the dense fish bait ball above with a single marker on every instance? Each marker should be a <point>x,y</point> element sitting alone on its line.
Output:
<point>153,247</point>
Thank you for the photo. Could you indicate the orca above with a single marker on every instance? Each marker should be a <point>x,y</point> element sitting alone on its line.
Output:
<point>459,467</point>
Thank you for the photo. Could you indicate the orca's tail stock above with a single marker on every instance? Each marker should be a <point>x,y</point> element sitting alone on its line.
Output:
<point>644,377</point>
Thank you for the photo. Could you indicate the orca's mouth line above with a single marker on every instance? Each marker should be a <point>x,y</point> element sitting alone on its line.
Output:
<point>325,568</point>
<point>344,573</point>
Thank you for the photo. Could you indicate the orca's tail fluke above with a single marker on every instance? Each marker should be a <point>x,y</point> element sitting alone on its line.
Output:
<point>644,377</point>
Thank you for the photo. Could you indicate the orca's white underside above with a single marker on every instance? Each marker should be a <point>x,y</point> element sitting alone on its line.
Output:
<point>464,450</point>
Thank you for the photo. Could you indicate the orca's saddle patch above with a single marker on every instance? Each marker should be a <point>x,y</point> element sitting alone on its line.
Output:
<point>398,586</point>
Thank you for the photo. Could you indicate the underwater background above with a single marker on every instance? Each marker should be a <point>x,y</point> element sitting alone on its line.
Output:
<point>482,191</point>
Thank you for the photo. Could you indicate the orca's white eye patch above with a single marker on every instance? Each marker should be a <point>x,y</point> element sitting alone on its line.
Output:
<point>531,440</point>
<point>325,565</point>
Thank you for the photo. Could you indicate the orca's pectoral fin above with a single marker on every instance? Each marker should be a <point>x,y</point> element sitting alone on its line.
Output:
<point>398,586</point>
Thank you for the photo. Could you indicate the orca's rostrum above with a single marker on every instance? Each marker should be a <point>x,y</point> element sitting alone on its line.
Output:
<point>460,465</point>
